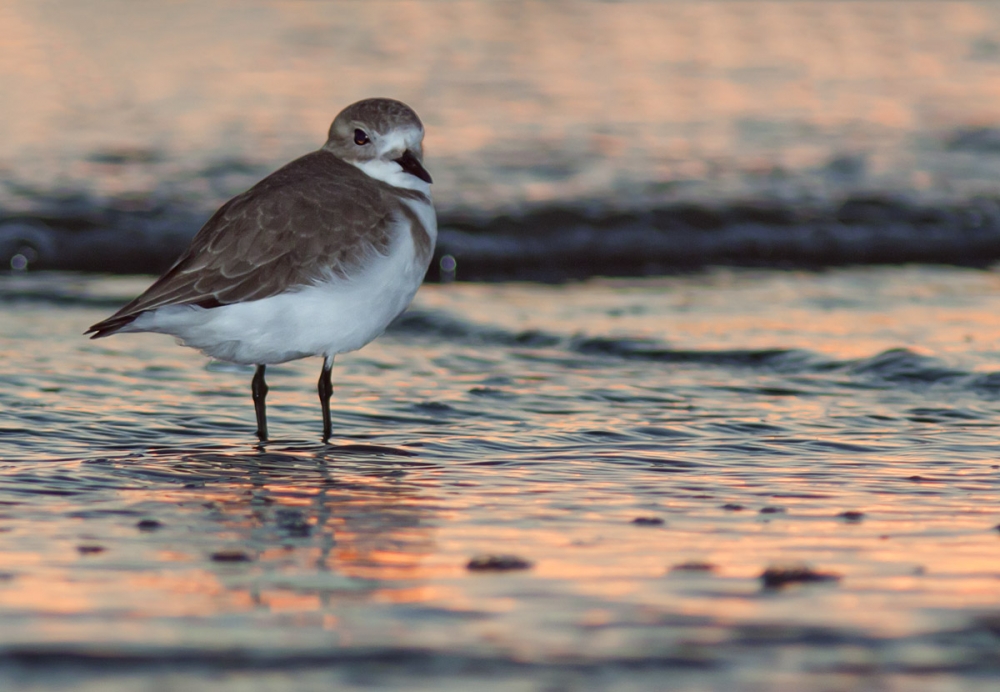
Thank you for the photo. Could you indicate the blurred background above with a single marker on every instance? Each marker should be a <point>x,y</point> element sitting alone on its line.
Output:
<point>566,139</point>
<point>654,448</point>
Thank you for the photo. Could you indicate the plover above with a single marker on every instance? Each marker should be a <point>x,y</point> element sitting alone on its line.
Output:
<point>314,260</point>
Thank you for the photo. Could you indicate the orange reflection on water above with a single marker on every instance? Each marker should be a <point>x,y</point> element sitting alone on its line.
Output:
<point>327,537</point>
<point>840,318</point>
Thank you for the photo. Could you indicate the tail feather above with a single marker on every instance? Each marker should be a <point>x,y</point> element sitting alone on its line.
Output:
<point>110,326</point>
<point>122,319</point>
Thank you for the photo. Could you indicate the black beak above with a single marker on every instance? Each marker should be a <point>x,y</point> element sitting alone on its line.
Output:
<point>412,166</point>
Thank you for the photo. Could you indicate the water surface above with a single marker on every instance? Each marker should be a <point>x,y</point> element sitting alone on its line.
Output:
<point>746,410</point>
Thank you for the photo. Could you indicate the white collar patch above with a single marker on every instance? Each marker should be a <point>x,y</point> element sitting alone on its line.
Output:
<point>392,173</point>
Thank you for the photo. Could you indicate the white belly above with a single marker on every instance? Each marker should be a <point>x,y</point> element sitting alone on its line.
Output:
<point>331,317</point>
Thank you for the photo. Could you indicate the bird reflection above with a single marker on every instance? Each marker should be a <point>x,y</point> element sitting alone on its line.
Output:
<point>311,520</point>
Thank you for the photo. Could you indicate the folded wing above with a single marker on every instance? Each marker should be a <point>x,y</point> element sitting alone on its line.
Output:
<point>315,218</point>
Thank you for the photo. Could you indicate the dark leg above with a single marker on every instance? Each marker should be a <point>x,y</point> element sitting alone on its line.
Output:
<point>325,392</point>
<point>259,390</point>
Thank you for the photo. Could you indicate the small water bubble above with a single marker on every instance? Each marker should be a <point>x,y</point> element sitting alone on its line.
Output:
<point>448,266</point>
<point>23,256</point>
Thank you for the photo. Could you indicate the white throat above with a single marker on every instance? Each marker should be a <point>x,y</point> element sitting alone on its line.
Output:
<point>393,174</point>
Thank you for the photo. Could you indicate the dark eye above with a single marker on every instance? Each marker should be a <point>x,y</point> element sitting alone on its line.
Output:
<point>360,138</point>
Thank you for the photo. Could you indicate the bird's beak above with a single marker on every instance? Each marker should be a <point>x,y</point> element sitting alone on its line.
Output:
<point>412,166</point>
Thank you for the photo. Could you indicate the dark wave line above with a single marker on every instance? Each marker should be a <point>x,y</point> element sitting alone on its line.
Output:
<point>567,240</point>
<point>410,658</point>
<point>893,367</point>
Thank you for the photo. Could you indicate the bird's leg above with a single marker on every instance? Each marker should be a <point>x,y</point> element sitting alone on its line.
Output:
<point>259,389</point>
<point>325,388</point>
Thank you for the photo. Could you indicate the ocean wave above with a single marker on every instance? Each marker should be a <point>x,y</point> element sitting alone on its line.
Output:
<point>555,242</point>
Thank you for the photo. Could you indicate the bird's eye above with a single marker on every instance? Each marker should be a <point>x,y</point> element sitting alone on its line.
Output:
<point>360,138</point>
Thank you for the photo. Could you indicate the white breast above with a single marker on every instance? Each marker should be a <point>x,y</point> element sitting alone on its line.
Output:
<point>424,211</point>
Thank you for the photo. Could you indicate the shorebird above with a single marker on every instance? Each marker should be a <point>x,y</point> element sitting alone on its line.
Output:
<point>314,260</point>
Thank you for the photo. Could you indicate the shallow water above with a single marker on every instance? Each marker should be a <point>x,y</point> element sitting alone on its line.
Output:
<point>535,421</point>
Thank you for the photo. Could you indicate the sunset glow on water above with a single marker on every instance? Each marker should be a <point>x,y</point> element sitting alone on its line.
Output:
<point>533,421</point>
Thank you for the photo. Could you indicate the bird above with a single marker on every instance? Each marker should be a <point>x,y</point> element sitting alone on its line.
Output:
<point>314,260</point>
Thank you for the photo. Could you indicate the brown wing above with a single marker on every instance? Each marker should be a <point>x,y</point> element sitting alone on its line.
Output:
<point>314,216</point>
